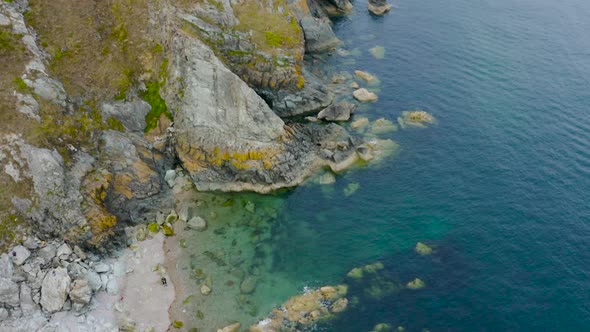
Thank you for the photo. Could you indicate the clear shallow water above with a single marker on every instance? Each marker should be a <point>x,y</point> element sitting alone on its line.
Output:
<point>499,187</point>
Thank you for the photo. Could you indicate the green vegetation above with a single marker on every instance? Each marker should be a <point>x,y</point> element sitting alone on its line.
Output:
<point>152,96</point>
<point>98,51</point>
<point>271,31</point>
<point>9,41</point>
<point>9,226</point>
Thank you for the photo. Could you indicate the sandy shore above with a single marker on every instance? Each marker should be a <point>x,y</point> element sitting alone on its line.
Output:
<point>141,300</point>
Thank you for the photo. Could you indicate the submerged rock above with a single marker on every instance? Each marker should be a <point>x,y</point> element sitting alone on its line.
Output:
<point>365,76</point>
<point>364,95</point>
<point>205,290</point>
<point>416,284</point>
<point>382,126</point>
<point>423,249</point>
<point>415,119</point>
<point>381,327</point>
<point>248,285</point>
<point>235,327</point>
<point>197,223</point>
<point>379,7</point>
<point>351,188</point>
<point>378,52</point>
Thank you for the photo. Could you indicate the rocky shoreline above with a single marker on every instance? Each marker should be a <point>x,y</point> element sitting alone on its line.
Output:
<point>207,108</point>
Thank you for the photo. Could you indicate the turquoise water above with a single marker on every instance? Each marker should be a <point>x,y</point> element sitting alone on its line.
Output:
<point>499,187</point>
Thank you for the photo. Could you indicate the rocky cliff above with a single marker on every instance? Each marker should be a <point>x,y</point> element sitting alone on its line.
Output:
<point>98,106</point>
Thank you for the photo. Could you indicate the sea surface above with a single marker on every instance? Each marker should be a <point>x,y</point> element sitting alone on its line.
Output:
<point>499,187</point>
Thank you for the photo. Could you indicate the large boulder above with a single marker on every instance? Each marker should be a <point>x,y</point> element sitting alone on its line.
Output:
<point>54,289</point>
<point>337,112</point>
<point>319,36</point>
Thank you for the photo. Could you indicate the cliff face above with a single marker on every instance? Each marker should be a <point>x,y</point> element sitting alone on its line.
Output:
<point>98,106</point>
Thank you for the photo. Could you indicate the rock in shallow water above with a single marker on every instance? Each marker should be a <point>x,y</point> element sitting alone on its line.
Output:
<point>197,223</point>
<point>248,285</point>
<point>54,289</point>
<point>364,95</point>
<point>379,7</point>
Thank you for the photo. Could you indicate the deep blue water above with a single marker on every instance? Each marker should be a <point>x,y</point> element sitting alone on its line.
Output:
<point>500,186</point>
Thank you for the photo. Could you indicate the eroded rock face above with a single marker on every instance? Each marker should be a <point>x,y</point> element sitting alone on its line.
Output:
<point>228,138</point>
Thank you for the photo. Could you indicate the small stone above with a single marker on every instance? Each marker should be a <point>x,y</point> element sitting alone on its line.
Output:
<point>197,223</point>
<point>64,251</point>
<point>416,284</point>
<point>170,178</point>
<point>93,280</point>
<point>101,267</point>
<point>3,314</point>
<point>81,292</point>
<point>354,85</point>
<point>47,252</point>
<point>248,285</point>
<point>19,255</point>
<point>54,288</point>
<point>364,95</point>
<point>205,290</point>
<point>31,243</point>
<point>79,252</point>
<point>423,249</point>
<point>112,286</point>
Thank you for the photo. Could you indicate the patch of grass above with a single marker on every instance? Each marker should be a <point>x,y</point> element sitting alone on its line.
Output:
<point>152,96</point>
<point>272,31</point>
<point>9,230</point>
<point>115,124</point>
<point>9,41</point>
<point>99,48</point>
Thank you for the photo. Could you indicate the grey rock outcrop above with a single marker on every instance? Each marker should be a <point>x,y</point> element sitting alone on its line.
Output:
<point>131,114</point>
<point>54,289</point>
<point>337,112</point>
<point>319,36</point>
